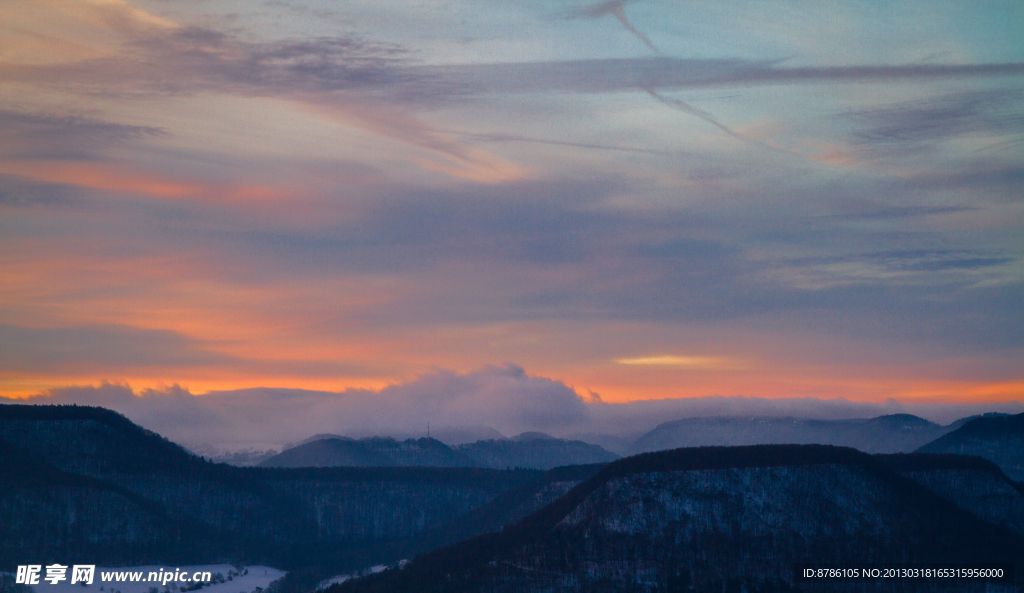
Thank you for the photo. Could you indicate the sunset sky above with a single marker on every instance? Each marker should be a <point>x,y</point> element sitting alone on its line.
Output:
<point>636,199</point>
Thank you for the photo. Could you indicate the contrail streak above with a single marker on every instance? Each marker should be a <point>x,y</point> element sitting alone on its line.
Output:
<point>617,9</point>
<point>704,115</point>
<point>620,13</point>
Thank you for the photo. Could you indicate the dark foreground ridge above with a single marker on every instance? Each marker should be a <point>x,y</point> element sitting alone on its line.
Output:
<point>714,518</point>
<point>85,483</point>
<point>999,438</point>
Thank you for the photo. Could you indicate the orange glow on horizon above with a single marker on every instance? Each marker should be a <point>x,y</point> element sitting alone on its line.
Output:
<point>26,388</point>
<point>323,334</point>
<point>200,381</point>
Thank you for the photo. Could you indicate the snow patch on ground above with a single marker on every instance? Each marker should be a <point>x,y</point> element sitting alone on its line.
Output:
<point>341,578</point>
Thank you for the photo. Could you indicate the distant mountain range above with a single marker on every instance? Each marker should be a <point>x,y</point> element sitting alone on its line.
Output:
<point>997,437</point>
<point>896,433</point>
<point>529,450</point>
<point>371,452</point>
<point>732,519</point>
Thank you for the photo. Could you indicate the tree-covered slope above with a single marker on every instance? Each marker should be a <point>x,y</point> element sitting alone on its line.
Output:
<point>737,518</point>
<point>534,453</point>
<point>85,483</point>
<point>974,484</point>
<point>371,452</point>
<point>997,437</point>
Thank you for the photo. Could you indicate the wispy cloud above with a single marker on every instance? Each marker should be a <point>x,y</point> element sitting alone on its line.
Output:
<point>995,113</point>
<point>928,260</point>
<point>378,87</point>
<point>663,73</point>
<point>18,192</point>
<point>1006,179</point>
<point>43,135</point>
<point>881,268</point>
<point>322,74</point>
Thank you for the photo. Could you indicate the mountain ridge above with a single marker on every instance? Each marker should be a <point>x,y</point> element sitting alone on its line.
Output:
<point>85,482</point>
<point>892,433</point>
<point>458,567</point>
<point>999,438</point>
<point>528,450</point>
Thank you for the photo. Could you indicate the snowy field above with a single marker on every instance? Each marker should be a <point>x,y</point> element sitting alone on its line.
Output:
<point>231,580</point>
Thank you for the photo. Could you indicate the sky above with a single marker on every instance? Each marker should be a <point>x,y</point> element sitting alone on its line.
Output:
<point>618,201</point>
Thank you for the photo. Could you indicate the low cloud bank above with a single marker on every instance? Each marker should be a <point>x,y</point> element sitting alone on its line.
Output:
<point>504,398</point>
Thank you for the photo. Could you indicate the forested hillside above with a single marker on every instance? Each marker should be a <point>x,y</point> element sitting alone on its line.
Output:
<point>522,452</point>
<point>999,438</point>
<point>714,519</point>
<point>972,483</point>
<point>85,483</point>
<point>371,452</point>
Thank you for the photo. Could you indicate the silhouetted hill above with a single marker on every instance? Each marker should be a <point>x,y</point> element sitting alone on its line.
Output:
<point>528,450</point>
<point>89,440</point>
<point>616,443</point>
<point>896,433</point>
<point>86,483</point>
<point>371,452</point>
<point>999,438</point>
<point>324,435</point>
<point>719,518</point>
<point>958,423</point>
